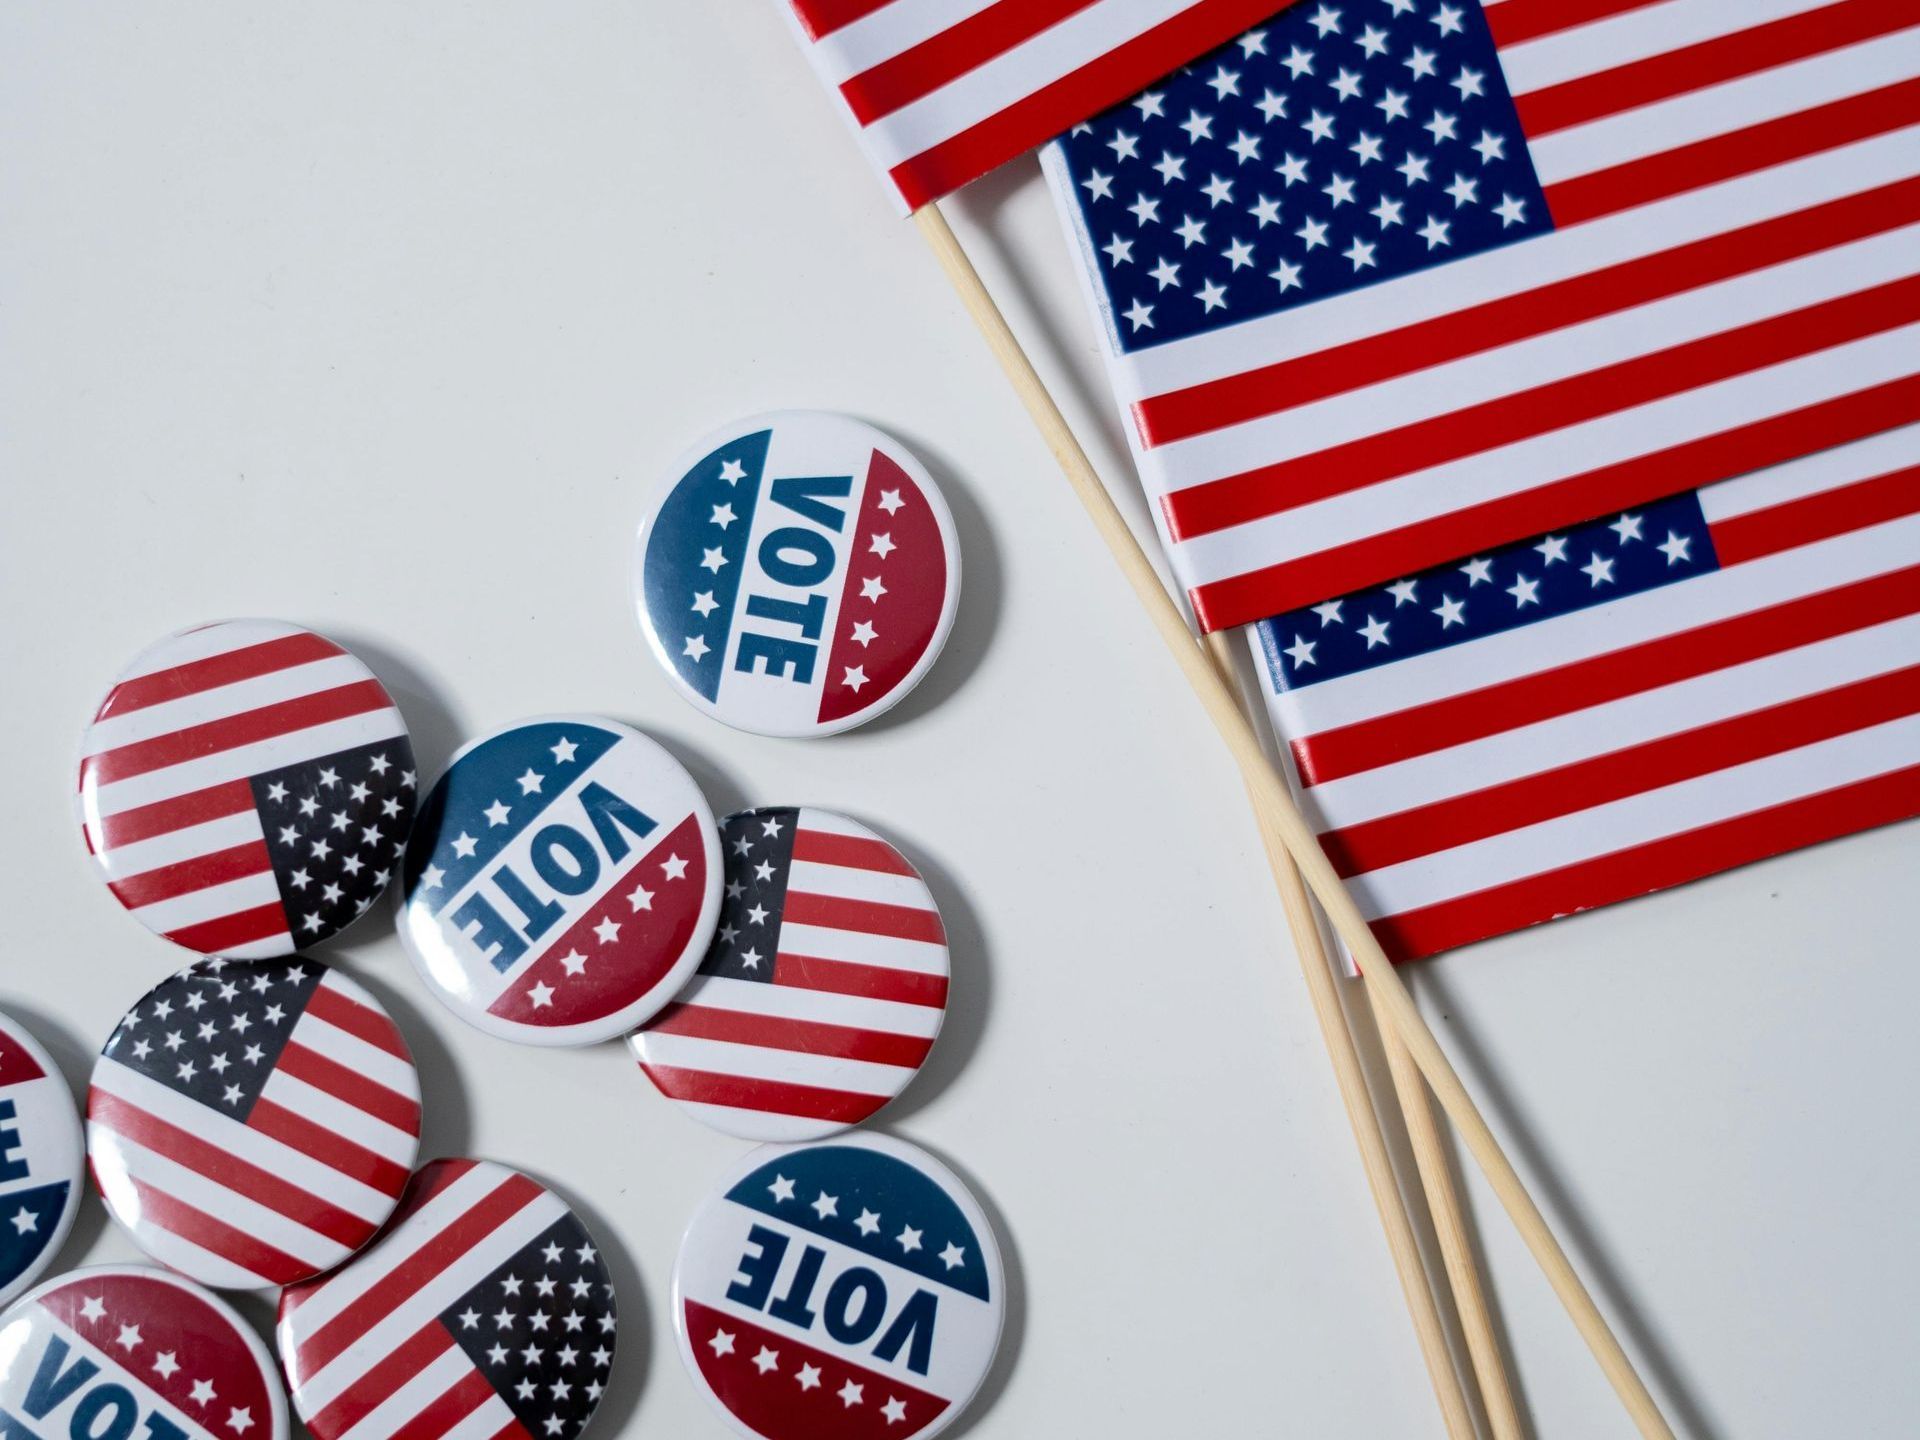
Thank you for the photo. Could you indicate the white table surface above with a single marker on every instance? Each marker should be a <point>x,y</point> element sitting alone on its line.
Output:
<point>383,318</point>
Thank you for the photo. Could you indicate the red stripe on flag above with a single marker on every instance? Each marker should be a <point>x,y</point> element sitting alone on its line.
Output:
<point>852,851</point>
<point>391,1290</point>
<point>439,1415</point>
<point>1274,589</point>
<point>1671,860</point>
<point>1710,62</point>
<point>381,1380</point>
<point>1541,695</point>
<point>223,1168</point>
<point>1583,784</point>
<point>196,1227</point>
<point>1387,454</point>
<point>1818,517</point>
<point>809,1037</point>
<point>230,932</point>
<point>351,1087</point>
<point>363,1022</point>
<point>913,73</point>
<point>1054,107</point>
<point>1736,152</point>
<point>329,1147</point>
<point>873,982</point>
<point>705,1087</point>
<point>197,676</point>
<point>1339,369</point>
<point>195,742</point>
<point>823,17</point>
<point>868,917</point>
<point>183,877</point>
<point>1513,21</point>
<point>162,817</point>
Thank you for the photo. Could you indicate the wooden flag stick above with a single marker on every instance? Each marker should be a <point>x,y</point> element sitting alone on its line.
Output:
<point>1375,1161</point>
<point>1275,806</point>
<point>1456,1243</point>
<point>1423,1132</point>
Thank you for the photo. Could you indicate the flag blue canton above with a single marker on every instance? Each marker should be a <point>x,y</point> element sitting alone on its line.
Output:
<point>1525,583</point>
<point>1333,147</point>
<point>696,552</point>
<point>493,793</point>
<point>540,1326</point>
<point>875,1204</point>
<point>759,862</point>
<point>215,1032</point>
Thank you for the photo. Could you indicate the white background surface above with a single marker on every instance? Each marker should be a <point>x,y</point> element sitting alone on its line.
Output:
<point>382,319</point>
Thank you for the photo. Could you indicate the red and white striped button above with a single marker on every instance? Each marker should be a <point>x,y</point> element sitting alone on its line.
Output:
<point>118,1350</point>
<point>246,788</point>
<point>485,1312</point>
<point>253,1123</point>
<point>824,988</point>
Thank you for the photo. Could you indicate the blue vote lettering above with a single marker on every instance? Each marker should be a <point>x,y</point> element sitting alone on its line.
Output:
<point>13,1150</point>
<point>799,557</point>
<point>852,1309</point>
<point>566,861</point>
<point>107,1411</point>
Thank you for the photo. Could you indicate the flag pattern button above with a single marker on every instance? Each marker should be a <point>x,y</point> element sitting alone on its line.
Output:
<point>252,1123</point>
<point>484,1311</point>
<point>824,988</point>
<point>246,788</point>
<point>798,574</point>
<point>563,881</point>
<point>839,1291</point>
<point>117,1351</point>
<point>40,1159</point>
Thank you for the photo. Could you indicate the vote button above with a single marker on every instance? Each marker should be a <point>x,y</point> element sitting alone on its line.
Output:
<point>562,881</point>
<point>41,1156</point>
<point>798,574</point>
<point>850,1287</point>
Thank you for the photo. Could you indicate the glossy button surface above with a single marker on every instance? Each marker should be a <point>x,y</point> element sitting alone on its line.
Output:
<point>246,788</point>
<point>119,1352</point>
<point>850,1288</point>
<point>824,988</point>
<point>797,574</point>
<point>253,1122</point>
<point>563,881</point>
<point>40,1159</point>
<point>484,1311</point>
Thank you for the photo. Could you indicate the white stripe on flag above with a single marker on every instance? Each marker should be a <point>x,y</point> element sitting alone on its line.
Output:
<point>255,693</point>
<point>350,1122</point>
<point>851,883</point>
<point>862,949</point>
<point>791,1002</point>
<point>177,845</point>
<point>382,1067</point>
<point>419,1391</point>
<point>1637,34</point>
<point>211,902</point>
<point>761,1062</point>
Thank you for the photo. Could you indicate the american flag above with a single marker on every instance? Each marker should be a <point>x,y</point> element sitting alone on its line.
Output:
<point>942,91</point>
<point>247,787</point>
<point>483,1313</point>
<point>90,1340</point>
<point>1618,705</point>
<point>823,991</point>
<point>253,1122</point>
<point>1386,280</point>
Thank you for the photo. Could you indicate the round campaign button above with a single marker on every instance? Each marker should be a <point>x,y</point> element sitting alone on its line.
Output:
<point>40,1159</point>
<point>563,881</point>
<point>246,787</point>
<point>121,1351</point>
<point>252,1122</point>
<point>823,990</point>
<point>799,573</point>
<point>485,1310</point>
<point>850,1288</point>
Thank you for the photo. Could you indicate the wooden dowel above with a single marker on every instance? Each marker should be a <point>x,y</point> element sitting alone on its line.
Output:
<point>1275,805</point>
<point>1323,992</point>
<point>1456,1242</point>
